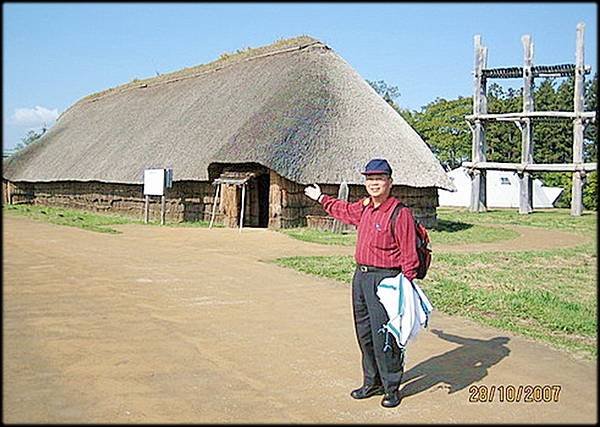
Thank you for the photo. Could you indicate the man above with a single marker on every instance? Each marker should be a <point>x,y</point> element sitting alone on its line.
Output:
<point>379,254</point>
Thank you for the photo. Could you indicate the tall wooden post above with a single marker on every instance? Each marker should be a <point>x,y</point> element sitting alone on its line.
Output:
<point>577,190</point>
<point>162,209</point>
<point>243,205</point>
<point>525,181</point>
<point>146,209</point>
<point>338,226</point>
<point>8,193</point>
<point>478,180</point>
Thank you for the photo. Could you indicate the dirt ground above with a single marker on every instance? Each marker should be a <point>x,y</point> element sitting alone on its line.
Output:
<point>190,325</point>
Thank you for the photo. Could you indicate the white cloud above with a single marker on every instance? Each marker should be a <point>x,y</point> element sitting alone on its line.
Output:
<point>34,117</point>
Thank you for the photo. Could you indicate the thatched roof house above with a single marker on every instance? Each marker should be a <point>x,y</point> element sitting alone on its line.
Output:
<point>294,109</point>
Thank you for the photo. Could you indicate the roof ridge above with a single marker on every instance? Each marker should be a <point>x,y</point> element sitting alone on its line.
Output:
<point>141,84</point>
<point>298,43</point>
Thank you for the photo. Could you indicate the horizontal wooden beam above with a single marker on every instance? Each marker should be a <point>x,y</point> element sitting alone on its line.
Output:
<point>561,70</point>
<point>532,114</point>
<point>532,167</point>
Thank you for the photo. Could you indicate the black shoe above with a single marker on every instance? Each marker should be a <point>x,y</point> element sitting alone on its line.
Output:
<point>367,391</point>
<point>391,400</point>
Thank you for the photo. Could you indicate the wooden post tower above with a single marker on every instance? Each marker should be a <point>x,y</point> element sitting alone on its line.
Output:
<point>522,120</point>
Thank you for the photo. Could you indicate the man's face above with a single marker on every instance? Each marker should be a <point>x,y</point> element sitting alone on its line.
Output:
<point>378,184</point>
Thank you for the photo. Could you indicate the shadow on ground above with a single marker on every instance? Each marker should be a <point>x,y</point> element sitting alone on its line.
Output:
<point>451,226</point>
<point>457,368</point>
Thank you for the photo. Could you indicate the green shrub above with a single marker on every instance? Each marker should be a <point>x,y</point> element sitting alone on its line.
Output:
<point>565,180</point>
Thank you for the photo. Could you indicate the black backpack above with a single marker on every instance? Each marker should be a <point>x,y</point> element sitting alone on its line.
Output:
<point>423,243</point>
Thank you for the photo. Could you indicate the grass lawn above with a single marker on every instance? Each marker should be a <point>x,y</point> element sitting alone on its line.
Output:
<point>447,232</point>
<point>70,217</point>
<point>549,295</point>
<point>99,222</point>
<point>551,219</point>
<point>458,226</point>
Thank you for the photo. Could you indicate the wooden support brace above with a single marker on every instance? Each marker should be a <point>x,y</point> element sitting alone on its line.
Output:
<point>578,96</point>
<point>532,167</point>
<point>146,209</point>
<point>212,216</point>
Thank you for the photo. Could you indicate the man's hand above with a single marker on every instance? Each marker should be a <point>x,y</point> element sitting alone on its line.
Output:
<point>313,192</point>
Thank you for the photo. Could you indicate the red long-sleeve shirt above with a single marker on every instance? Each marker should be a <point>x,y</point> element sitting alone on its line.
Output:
<point>375,244</point>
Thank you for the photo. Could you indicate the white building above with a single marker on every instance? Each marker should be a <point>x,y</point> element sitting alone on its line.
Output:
<point>502,190</point>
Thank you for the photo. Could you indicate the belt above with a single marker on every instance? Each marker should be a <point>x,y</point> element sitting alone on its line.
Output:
<point>371,269</point>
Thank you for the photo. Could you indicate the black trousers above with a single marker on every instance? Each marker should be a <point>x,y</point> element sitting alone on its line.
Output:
<point>379,367</point>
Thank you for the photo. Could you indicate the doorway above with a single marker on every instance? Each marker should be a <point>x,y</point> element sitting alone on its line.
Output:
<point>262,192</point>
<point>248,180</point>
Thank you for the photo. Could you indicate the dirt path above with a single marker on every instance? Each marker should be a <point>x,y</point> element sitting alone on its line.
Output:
<point>530,238</point>
<point>187,325</point>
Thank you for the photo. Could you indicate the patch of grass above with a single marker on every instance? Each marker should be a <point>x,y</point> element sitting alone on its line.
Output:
<point>99,222</point>
<point>550,219</point>
<point>447,232</point>
<point>549,295</point>
<point>457,233</point>
<point>323,237</point>
<point>332,267</point>
<point>193,224</point>
<point>70,217</point>
<point>459,226</point>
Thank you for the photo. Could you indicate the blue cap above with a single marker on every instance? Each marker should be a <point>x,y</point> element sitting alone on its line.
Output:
<point>378,166</point>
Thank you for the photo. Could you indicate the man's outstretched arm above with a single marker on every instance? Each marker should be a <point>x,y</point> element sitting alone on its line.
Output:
<point>346,212</point>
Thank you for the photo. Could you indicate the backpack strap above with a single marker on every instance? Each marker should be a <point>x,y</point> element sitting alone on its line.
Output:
<point>394,217</point>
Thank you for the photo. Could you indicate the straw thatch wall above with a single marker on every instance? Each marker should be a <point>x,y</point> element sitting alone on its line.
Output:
<point>193,201</point>
<point>7,189</point>
<point>288,204</point>
<point>186,201</point>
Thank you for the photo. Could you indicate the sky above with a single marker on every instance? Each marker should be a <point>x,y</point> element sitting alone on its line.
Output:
<point>54,54</point>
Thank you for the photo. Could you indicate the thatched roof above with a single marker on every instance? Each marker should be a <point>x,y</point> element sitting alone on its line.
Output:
<point>294,106</point>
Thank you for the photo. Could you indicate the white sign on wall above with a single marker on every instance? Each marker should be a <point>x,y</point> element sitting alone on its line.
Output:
<point>154,182</point>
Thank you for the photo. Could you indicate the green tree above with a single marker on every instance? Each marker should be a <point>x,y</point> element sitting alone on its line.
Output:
<point>442,126</point>
<point>554,140</point>
<point>590,191</point>
<point>30,138</point>
<point>590,137</point>
<point>590,146</point>
<point>387,92</point>
<point>503,139</point>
